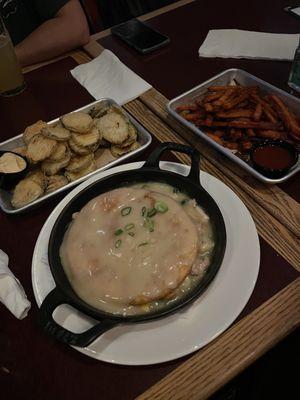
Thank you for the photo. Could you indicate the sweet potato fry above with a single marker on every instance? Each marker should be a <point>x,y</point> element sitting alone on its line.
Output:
<point>213,96</point>
<point>237,113</point>
<point>269,115</point>
<point>235,100</point>
<point>216,138</point>
<point>208,107</point>
<point>241,124</point>
<point>211,123</point>
<point>270,134</point>
<point>226,95</point>
<point>288,118</point>
<point>250,132</point>
<point>258,112</point>
<point>184,107</point>
<point>221,88</point>
<point>244,104</point>
<point>266,108</point>
<point>193,117</point>
<point>255,125</point>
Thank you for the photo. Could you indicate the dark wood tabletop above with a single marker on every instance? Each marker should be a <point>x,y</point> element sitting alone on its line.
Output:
<point>177,67</point>
<point>31,362</point>
<point>32,365</point>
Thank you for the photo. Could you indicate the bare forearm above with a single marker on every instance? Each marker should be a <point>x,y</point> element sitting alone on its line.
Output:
<point>52,38</point>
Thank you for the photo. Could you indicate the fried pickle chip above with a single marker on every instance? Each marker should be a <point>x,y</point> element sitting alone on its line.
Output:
<point>132,137</point>
<point>33,130</point>
<point>55,182</point>
<point>118,110</point>
<point>98,111</point>
<point>113,127</point>
<point>60,152</point>
<point>79,121</point>
<point>118,151</point>
<point>79,163</point>
<point>88,139</point>
<point>78,149</point>
<point>20,150</point>
<point>103,156</point>
<point>26,192</point>
<point>40,148</point>
<point>73,176</point>
<point>57,132</point>
<point>52,168</point>
<point>38,177</point>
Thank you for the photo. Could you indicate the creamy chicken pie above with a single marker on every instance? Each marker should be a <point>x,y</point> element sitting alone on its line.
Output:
<point>135,249</point>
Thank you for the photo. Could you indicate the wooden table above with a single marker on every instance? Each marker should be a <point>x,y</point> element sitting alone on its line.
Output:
<point>32,365</point>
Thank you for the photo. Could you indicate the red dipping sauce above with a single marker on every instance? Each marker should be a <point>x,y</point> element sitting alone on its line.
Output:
<point>273,157</point>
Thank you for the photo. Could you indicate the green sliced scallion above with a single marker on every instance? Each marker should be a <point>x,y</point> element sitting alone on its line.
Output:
<point>149,224</point>
<point>144,210</point>
<point>151,212</point>
<point>161,206</point>
<point>118,232</point>
<point>131,234</point>
<point>126,211</point>
<point>128,227</point>
<point>118,243</point>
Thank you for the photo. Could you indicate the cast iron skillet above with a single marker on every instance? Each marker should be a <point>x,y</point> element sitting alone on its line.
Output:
<point>63,292</point>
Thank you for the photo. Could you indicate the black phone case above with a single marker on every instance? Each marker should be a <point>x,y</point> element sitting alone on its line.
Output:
<point>119,30</point>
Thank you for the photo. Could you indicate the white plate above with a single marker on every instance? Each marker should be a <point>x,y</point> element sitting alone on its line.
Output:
<point>186,331</point>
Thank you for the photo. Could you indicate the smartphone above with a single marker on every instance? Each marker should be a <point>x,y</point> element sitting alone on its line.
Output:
<point>140,36</point>
<point>293,10</point>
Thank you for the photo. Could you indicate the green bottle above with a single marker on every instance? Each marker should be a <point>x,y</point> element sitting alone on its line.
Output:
<point>294,78</point>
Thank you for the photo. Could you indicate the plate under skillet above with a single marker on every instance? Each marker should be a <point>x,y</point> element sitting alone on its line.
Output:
<point>187,330</point>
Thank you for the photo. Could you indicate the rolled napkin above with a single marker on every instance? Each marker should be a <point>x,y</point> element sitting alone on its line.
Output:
<point>107,76</point>
<point>12,294</point>
<point>235,43</point>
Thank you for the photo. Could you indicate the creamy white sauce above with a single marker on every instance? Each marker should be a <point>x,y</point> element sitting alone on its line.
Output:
<point>11,163</point>
<point>121,261</point>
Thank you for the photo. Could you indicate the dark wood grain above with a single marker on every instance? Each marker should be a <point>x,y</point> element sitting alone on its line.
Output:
<point>219,361</point>
<point>51,91</point>
<point>187,28</point>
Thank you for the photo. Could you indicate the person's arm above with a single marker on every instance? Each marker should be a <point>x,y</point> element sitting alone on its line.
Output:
<point>66,31</point>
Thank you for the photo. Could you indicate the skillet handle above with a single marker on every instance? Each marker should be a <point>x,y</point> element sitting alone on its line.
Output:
<point>154,158</point>
<point>47,323</point>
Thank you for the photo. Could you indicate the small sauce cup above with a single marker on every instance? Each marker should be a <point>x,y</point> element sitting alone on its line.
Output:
<point>13,168</point>
<point>273,158</point>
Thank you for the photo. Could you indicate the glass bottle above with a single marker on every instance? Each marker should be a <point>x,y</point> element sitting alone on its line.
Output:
<point>294,78</point>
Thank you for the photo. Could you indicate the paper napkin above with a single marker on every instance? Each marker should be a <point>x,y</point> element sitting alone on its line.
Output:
<point>107,76</point>
<point>234,43</point>
<point>12,294</point>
